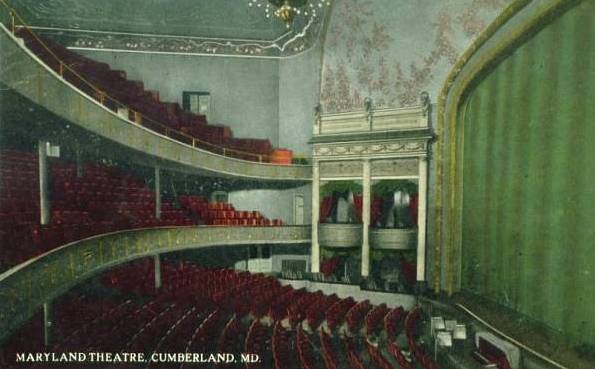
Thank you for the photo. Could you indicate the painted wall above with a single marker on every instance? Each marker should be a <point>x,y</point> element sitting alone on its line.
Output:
<point>244,91</point>
<point>392,50</point>
<point>273,204</point>
<point>299,92</point>
<point>529,167</point>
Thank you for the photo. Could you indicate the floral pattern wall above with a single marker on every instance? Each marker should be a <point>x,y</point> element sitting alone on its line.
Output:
<point>392,50</point>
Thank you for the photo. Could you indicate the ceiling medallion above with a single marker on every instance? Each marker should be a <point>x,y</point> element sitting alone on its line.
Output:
<point>288,10</point>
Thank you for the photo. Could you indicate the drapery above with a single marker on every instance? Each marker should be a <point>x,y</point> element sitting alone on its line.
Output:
<point>328,266</point>
<point>409,270</point>
<point>376,210</point>
<point>358,201</point>
<point>326,205</point>
<point>413,207</point>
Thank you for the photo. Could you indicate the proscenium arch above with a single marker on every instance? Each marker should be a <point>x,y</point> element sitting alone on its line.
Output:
<point>524,18</point>
<point>26,287</point>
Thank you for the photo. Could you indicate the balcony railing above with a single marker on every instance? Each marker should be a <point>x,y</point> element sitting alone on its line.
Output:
<point>26,287</point>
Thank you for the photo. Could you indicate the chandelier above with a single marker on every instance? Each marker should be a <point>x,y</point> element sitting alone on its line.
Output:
<point>288,10</point>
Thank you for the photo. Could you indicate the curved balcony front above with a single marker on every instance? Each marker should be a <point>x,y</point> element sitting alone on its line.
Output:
<point>340,236</point>
<point>26,287</point>
<point>24,73</point>
<point>393,238</point>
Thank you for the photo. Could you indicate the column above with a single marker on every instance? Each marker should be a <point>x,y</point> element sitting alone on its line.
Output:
<point>157,265</point>
<point>79,160</point>
<point>422,219</point>
<point>315,256</point>
<point>44,195</point>
<point>157,192</point>
<point>366,219</point>
<point>47,324</point>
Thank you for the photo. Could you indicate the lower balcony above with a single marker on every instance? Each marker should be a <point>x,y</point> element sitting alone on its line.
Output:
<point>393,238</point>
<point>337,235</point>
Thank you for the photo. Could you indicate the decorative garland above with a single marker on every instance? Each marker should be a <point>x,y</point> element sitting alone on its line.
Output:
<point>341,187</point>
<point>388,187</point>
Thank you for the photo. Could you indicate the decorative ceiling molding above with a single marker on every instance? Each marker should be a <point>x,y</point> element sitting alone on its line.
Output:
<point>287,42</point>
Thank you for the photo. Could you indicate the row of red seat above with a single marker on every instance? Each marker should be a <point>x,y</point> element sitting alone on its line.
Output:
<point>104,199</point>
<point>317,311</point>
<point>257,342</point>
<point>356,315</point>
<point>411,322</point>
<point>224,214</point>
<point>257,295</point>
<point>112,89</point>
<point>195,311</point>
<point>374,319</point>
<point>281,347</point>
<point>306,350</point>
<point>329,354</point>
<point>336,313</point>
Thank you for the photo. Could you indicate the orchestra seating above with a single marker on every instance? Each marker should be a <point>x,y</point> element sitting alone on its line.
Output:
<point>201,309</point>
<point>412,321</point>
<point>131,100</point>
<point>104,199</point>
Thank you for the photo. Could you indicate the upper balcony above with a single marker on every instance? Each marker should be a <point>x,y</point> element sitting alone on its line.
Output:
<point>60,92</point>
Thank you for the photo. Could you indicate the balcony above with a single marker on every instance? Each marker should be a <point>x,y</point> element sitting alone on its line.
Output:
<point>340,235</point>
<point>393,238</point>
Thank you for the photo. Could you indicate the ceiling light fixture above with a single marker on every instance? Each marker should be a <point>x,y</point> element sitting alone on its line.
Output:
<point>288,10</point>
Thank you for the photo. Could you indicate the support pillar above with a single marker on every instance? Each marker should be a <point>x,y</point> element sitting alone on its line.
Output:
<point>366,219</point>
<point>157,265</point>
<point>422,219</point>
<point>315,254</point>
<point>79,161</point>
<point>157,192</point>
<point>47,324</point>
<point>44,195</point>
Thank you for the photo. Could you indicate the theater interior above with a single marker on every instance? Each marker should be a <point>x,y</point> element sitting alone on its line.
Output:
<point>302,184</point>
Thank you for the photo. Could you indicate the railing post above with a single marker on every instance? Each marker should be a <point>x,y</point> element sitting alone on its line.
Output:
<point>44,188</point>
<point>260,158</point>
<point>79,159</point>
<point>47,324</point>
<point>61,69</point>
<point>224,152</point>
<point>193,142</point>
<point>13,25</point>
<point>157,192</point>
<point>157,269</point>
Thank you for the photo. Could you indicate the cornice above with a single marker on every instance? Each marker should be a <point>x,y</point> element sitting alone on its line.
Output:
<point>424,133</point>
<point>412,147</point>
<point>291,43</point>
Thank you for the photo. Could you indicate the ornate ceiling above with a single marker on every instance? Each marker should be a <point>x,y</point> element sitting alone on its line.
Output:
<point>221,27</point>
